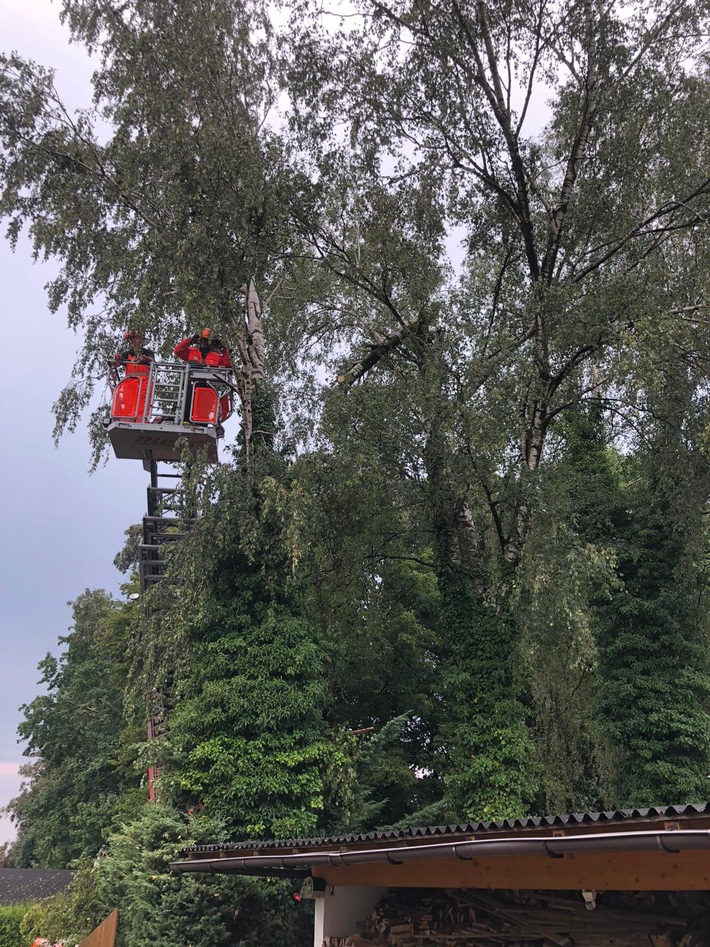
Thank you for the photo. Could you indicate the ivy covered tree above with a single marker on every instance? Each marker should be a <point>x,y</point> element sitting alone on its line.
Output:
<point>567,573</point>
<point>654,676</point>
<point>248,731</point>
<point>444,572</point>
<point>365,549</point>
<point>584,231</point>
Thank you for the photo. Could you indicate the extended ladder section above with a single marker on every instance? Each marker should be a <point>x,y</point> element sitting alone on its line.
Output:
<point>167,520</point>
<point>160,410</point>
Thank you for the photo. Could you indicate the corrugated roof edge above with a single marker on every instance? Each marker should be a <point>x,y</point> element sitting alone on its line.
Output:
<point>468,828</point>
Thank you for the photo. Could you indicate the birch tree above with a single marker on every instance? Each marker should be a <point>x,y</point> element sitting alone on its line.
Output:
<point>160,200</point>
<point>564,145</point>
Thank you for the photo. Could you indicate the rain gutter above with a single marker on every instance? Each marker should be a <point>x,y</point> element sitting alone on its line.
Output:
<point>668,841</point>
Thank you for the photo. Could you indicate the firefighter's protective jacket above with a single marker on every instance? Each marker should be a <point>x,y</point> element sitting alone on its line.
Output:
<point>215,357</point>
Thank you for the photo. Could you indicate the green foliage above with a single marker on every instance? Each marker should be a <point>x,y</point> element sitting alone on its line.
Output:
<point>162,199</point>
<point>76,731</point>
<point>372,782</point>
<point>566,573</point>
<point>476,593</point>
<point>571,283</point>
<point>553,603</point>
<point>134,875</point>
<point>248,733</point>
<point>11,933</point>
<point>654,674</point>
<point>624,622</point>
<point>69,916</point>
<point>372,585</point>
<point>491,772</point>
<point>7,854</point>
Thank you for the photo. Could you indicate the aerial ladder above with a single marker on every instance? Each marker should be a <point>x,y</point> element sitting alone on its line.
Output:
<point>160,417</point>
<point>155,415</point>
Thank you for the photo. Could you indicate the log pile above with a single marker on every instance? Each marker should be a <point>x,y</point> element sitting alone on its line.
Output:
<point>411,918</point>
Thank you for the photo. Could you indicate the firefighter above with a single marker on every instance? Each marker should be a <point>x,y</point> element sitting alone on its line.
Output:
<point>135,361</point>
<point>203,349</point>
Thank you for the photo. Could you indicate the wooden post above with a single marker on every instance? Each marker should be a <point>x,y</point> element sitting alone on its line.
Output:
<point>105,933</point>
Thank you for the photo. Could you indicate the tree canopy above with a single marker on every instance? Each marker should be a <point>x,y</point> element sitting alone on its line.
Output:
<point>454,566</point>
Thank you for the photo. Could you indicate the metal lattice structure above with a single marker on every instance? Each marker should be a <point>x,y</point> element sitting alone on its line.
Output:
<point>166,521</point>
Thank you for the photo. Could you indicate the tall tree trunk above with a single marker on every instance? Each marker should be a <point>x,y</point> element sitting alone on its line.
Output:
<point>490,772</point>
<point>257,418</point>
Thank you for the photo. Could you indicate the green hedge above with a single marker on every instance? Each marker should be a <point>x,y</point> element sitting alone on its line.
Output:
<point>10,917</point>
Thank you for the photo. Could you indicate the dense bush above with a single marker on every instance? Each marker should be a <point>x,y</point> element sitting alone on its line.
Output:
<point>133,874</point>
<point>10,920</point>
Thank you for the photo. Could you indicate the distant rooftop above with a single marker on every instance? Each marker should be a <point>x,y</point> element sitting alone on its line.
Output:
<point>18,885</point>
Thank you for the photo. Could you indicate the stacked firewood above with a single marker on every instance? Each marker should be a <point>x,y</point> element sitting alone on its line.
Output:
<point>410,918</point>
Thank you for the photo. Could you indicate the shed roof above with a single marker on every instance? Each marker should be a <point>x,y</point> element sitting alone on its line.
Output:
<point>611,818</point>
<point>658,848</point>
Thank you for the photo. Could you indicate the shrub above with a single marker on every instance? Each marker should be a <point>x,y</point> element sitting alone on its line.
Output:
<point>11,916</point>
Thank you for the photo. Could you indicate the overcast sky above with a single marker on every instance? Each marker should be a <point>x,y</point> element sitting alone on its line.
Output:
<point>61,527</point>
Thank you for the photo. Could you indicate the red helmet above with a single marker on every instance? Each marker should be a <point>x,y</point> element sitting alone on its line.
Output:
<point>206,333</point>
<point>131,334</point>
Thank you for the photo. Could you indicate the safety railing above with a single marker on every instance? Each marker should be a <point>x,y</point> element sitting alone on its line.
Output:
<point>171,393</point>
